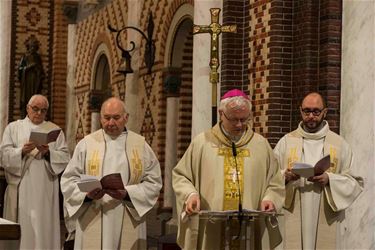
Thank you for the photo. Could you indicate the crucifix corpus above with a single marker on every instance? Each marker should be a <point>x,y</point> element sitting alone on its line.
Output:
<point>214,29</point>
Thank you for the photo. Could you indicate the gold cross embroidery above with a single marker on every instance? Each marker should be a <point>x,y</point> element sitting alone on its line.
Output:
<point>231,184</point>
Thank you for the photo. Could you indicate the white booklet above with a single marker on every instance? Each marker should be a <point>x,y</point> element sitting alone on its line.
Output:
<point>45,134</point>
<point>307,170</point>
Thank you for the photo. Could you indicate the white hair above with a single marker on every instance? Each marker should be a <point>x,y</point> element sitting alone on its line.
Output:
<point>32,99</point>
<point>236,102</point>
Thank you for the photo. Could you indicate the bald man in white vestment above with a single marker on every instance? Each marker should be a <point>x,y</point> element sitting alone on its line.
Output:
<point>211,176</point>
<point>107,218</point>
<point>31,171</point>
<point>315,206</point>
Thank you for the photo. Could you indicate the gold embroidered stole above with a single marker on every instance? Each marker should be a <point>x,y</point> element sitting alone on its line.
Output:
<point>91,220</point>
<point>232,186</point>
<point>294,142</point>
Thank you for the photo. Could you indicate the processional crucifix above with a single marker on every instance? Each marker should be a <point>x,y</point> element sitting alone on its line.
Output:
<point>214,29</point>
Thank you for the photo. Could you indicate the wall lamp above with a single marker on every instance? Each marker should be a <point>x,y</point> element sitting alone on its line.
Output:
<point>149,55</point>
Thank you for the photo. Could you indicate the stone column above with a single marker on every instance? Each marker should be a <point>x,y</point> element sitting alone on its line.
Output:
<point>5,47</point>
<point>132,80</point>
<point>70,11</point>
<point>201,120</point>
<point>172,83</point>
<point>71,101</point>
<point>358,118</point>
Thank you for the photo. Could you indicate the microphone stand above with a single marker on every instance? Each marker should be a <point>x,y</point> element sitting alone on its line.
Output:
<point>240,215</point>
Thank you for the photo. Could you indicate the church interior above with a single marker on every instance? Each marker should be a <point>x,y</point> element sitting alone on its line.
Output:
<point>146,53</point>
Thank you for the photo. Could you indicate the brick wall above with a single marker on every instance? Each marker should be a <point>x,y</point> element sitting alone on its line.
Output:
<point>317,55</point>
<point>294,47</point>
<point>186,98</point>
<point>30,19</point>
<point>305,52</point>
<point>59,66</point>
<point>330,58</point>
<point>235,47</point>
<point>280,69</point>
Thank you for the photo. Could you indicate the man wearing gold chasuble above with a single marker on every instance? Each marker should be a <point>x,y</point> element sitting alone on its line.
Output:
<point>224,168</point>
<point>112,217</point>
<point>314,206</point>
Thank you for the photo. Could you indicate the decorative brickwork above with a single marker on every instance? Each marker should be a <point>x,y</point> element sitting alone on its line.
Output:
<point>293,47</point>
<point>235,46</point>
<point>59,66</point>
<point>151,116</point>
<point>317,55</point>
<point>280,69</point>
<point>30,19</point>
<point>186,98</point>
<point>91,32</point>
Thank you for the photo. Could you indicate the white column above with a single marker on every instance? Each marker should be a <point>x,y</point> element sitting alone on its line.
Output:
<point>132,80</point>
<point>170,149</point>
<point>202,88</point>
<point>5,45</point>
<point>95,121</point>
<point>358,118</point>
<point>71,103</point>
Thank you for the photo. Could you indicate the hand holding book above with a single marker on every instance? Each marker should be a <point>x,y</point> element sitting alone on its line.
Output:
<point>307,170</point>
<point>44,135</point>
<point>110,181</point>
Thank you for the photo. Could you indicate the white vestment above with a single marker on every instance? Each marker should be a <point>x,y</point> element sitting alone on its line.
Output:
<point>32,194</point>
<point>108,223</point>
<point>310,217</point>
<point>209,168</point>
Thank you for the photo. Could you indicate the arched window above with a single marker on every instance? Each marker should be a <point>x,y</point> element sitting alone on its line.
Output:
<point>102,74</point>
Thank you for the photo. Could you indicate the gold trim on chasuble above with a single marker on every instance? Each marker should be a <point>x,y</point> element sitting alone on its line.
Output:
<point>94,163</point>
<point>135,167</point>
<point>334,160</point>
<point>292,158</point>
<point>231,194</point>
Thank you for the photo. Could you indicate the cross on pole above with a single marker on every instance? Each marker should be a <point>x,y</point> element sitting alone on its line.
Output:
<point>214,29</point>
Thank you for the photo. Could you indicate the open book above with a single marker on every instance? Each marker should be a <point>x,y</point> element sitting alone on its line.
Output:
<point>46,133</point>
<point>307,170</point>
<point>110,181</point>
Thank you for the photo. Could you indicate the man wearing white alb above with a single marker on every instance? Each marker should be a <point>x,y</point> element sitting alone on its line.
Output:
<point>315,206</point>
<point>111,218</point>
<point>31,171</point>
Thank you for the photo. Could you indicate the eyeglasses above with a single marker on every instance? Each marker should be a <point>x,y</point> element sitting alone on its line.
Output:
<point>234,121</point>
<point>37,110</point>
<point>315,112</point>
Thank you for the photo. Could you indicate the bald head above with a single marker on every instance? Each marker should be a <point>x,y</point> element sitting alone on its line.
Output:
<point>316,97</point>
<point>113,102</point>
<point>113,116</point>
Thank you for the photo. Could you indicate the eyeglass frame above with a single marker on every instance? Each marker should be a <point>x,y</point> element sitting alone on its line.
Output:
<point>36,109</point>
<point>314,112</point>
<point>235,121</point>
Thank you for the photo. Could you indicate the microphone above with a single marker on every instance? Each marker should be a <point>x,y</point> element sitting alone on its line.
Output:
<point>240,217</point>
<point>234,152</point>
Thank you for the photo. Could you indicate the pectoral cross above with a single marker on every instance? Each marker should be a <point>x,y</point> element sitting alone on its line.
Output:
<point>214,29</point>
